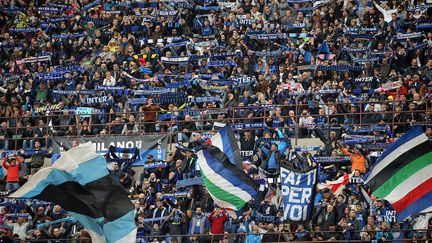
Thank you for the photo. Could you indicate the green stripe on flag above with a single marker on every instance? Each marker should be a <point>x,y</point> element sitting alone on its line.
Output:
<point>223,195</point>
<point>403,174</point>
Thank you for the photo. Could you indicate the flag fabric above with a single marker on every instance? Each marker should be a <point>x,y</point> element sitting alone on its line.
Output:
<point>402,175</point>
<point>335,186</point>
<point>298,193</point>
<point>225,140</point>
<point>229,187</point>
<point>79,182</point>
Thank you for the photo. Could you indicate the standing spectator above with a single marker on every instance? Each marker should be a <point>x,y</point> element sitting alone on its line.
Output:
<point>217,220</point>
<point>12,166</point>
<point>150,116</point>
<point>5,135</point>
<point>20,227</point>
<point>358,160</point>
<point>37,160</point>
<point>271,235</point>
<point>198,223</point>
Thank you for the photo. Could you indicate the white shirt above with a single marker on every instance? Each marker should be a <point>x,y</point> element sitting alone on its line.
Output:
<point>109,82</point>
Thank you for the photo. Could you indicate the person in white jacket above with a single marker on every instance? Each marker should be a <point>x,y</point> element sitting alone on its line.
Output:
<point>109,80</point>
<point>20,227</point>
<point>387,13</point>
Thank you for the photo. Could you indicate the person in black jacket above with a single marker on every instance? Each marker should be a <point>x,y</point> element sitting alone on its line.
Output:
<point>271,235</point>
<point>330,142</point>
<point>247,145</point>
<point>267,208</point>
<point>186,126</point>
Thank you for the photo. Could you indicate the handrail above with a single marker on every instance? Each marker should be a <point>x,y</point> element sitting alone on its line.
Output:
<point>49,129</point>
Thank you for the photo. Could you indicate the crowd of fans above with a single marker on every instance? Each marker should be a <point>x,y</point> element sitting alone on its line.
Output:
<point>290,68</point>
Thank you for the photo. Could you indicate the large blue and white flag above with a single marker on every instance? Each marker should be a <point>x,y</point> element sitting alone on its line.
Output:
<point>298,191</point>
<point>79,182</point>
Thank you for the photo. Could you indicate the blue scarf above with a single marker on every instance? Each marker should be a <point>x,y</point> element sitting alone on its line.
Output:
<point>376,146</point>
<point>424,26</point>
<point>137,101</point>
<point>409,36</point>
<point>361,30</point>
<point>268,53</point>
<point>24,30</point>
<point>331,159</point>
<point>176,44</point>
<point>55,222</point>
<point>69,69</point>
<point>180,84</point>
<point>74,92</point>
<point>109,88</point>
<point>248,125</point>
<point>68,36</point>
<point>155,165</point>
<point>210,76</point>
<point>97,22</point>
<point>169,13</point>
<point>49,9</point>
<point>155,91</point>
<point>90,5</point>
<point>175,76</point>
<point>205,99</point>
<point>221,63</point>
<point>356,50</point>
<point>213,55</point>
<point>417,47</point>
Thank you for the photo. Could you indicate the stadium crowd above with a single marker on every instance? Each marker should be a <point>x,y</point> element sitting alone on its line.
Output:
<point>333,69</point>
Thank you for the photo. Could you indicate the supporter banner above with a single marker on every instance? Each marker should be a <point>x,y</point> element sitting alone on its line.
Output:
<point>44,109</point>
<point>97,100</point>
<point>147,144</point>
<point>297,194</point>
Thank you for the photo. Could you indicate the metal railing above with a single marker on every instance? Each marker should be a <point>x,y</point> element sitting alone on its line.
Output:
<point>201,117</point>
<point>415,236</point>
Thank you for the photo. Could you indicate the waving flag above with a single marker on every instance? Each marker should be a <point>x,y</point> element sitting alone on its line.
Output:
<point>79,182</point>
<point>335,186</point>
<point>402,175</point>
<point>225,140</point>
<point>229,187</point>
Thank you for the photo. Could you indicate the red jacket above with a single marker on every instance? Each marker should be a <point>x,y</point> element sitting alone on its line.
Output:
<point>13,171</point>
<point>217,223</point>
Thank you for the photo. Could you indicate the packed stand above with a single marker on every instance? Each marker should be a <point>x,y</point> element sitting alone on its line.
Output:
<point>285,68</point>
